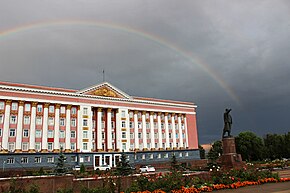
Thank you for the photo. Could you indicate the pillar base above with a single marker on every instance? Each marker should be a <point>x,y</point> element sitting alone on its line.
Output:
<point>18,151</point>
<point>56,151</point>
<point>67,151</point>
<point>100,150</point>
<point>168,148</point>
<point>44,151</point>
<point>145,149</point>
<point>110,150</point>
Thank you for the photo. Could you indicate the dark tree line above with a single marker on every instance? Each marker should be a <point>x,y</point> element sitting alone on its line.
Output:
<point>255,148</point>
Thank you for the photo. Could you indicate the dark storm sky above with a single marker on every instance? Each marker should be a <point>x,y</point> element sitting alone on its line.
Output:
<point>217,54</point>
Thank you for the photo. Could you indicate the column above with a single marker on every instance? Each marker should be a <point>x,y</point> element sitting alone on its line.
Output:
<point>173,131</point>
<point>136,141</point>
<point>44,128</point>
<point>32,128</point>
<point>118,131</point>
<point>99,131</point>
<point>90,128</point>
<point>180,131</point>
<point>19,127</point>
<point>144,133</point>
<point>109,130</point>
<point>159,130</point>
<point>186,132</point>
<point>6,126</point>
<point>56,128</point>
<point>67,129</point>
<point>152,131</point>
<point>79,130</point>
<point>166,132</point>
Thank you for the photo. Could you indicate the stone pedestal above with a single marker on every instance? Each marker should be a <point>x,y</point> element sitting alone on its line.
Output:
<point>230,158</point>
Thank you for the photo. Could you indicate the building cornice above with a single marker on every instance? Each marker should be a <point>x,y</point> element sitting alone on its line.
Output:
<point>100,98</point>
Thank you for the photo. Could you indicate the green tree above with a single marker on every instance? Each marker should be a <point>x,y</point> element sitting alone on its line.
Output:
<point>201,152</point>
<point>174,164</point>
<point>250,146</point>
<point>215,151</point>
<point>277,146</point>
<point>123,167</point>
<point>60,164</point>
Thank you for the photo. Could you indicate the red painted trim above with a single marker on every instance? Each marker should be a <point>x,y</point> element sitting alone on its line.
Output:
<point>192,131</point>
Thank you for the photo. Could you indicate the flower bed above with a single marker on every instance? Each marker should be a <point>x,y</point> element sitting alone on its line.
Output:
<point>213,187</point>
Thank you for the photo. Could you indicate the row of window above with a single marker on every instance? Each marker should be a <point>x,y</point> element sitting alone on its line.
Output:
<point>25,160</point>
<point>50,146</point>
<point>141,145</point>
<point>131,125</point>
<point>147,115</point>
<point>39,108</point>
<point>148,136</point>
<point>38,133</point>
<point>38,121</point>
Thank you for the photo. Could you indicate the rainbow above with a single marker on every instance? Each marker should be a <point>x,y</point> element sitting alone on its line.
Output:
<point>137,32</point>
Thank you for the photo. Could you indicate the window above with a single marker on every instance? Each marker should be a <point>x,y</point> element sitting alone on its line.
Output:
<point>103,135</point>
<point>162,125</point>
<point>50,134</point>
<point>10,160</point>
<point>62,145</point>
<point>151,156</point>
<point>180,154</point>
<point>2,104</point>
<point>62,110</point>
<point>139,115</point>
<point>73,122</point>
<point>147,125</point>
<point>170,136</point>
<point>14,106</point>
<point>85,134</point>
<point>113,124</point>
<point>166,155</point>
<point>11,146</point>
<point>26,120</point>
<point>73,134</point>
<point>123,113</point>
<point>1,119</point>
<point>25,133</point>
<point>73,158</point>
<point>103,124</point>
<point>24,160</point>
<point>51,109</point>
<point>143,156</point>
<point>155,135</point>
<point>131,125</point>
<point>163,135</point>
<point>13,119</point>
<point>139,125</point>
<point>85,122</point>
<point>123,146</point>
<point>169,126</point>
<point>39,108</point>
<point>85,146</point>
<point>176,135</point>
<point>183,135</point>
<point>163,145</point>
<point>87,158</point>
<point>61,134</point>
<point>50,146</point>
<point>37,160</point>
<point>37,146</point>
<point>140,135</point>
<point>37,133</point>
<point>72,146</point>
<point>24,146</point>
<point>50,159</point>
<point>182,126</point>
<point>131,136</point>
<point>124,135</point>
<point>0,132</point>
<point>85,111</point>
<point>38,120</point>
<point>113,136</point>
<point>12,132</point>
<point>62,122</point>
<point>27,107</point>
<point>123,124</point>
<point>131,114</point>
<point>74,110</point>
<point>147,115</point>
<point>50,121</point>
<point>155,125</point>
<point>148,135</point>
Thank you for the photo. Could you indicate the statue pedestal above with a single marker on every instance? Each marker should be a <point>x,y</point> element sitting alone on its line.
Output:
<point>230,158</point>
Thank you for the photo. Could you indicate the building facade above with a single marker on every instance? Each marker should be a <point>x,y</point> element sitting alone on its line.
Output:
<point>92,126</point>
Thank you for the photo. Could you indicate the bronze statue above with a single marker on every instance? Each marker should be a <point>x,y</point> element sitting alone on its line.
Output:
<point>227,123</point>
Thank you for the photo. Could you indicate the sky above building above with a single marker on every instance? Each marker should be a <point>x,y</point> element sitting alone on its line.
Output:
<point>217,54</point>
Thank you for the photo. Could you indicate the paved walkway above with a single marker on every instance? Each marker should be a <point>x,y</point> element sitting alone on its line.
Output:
<point>281,187</point>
